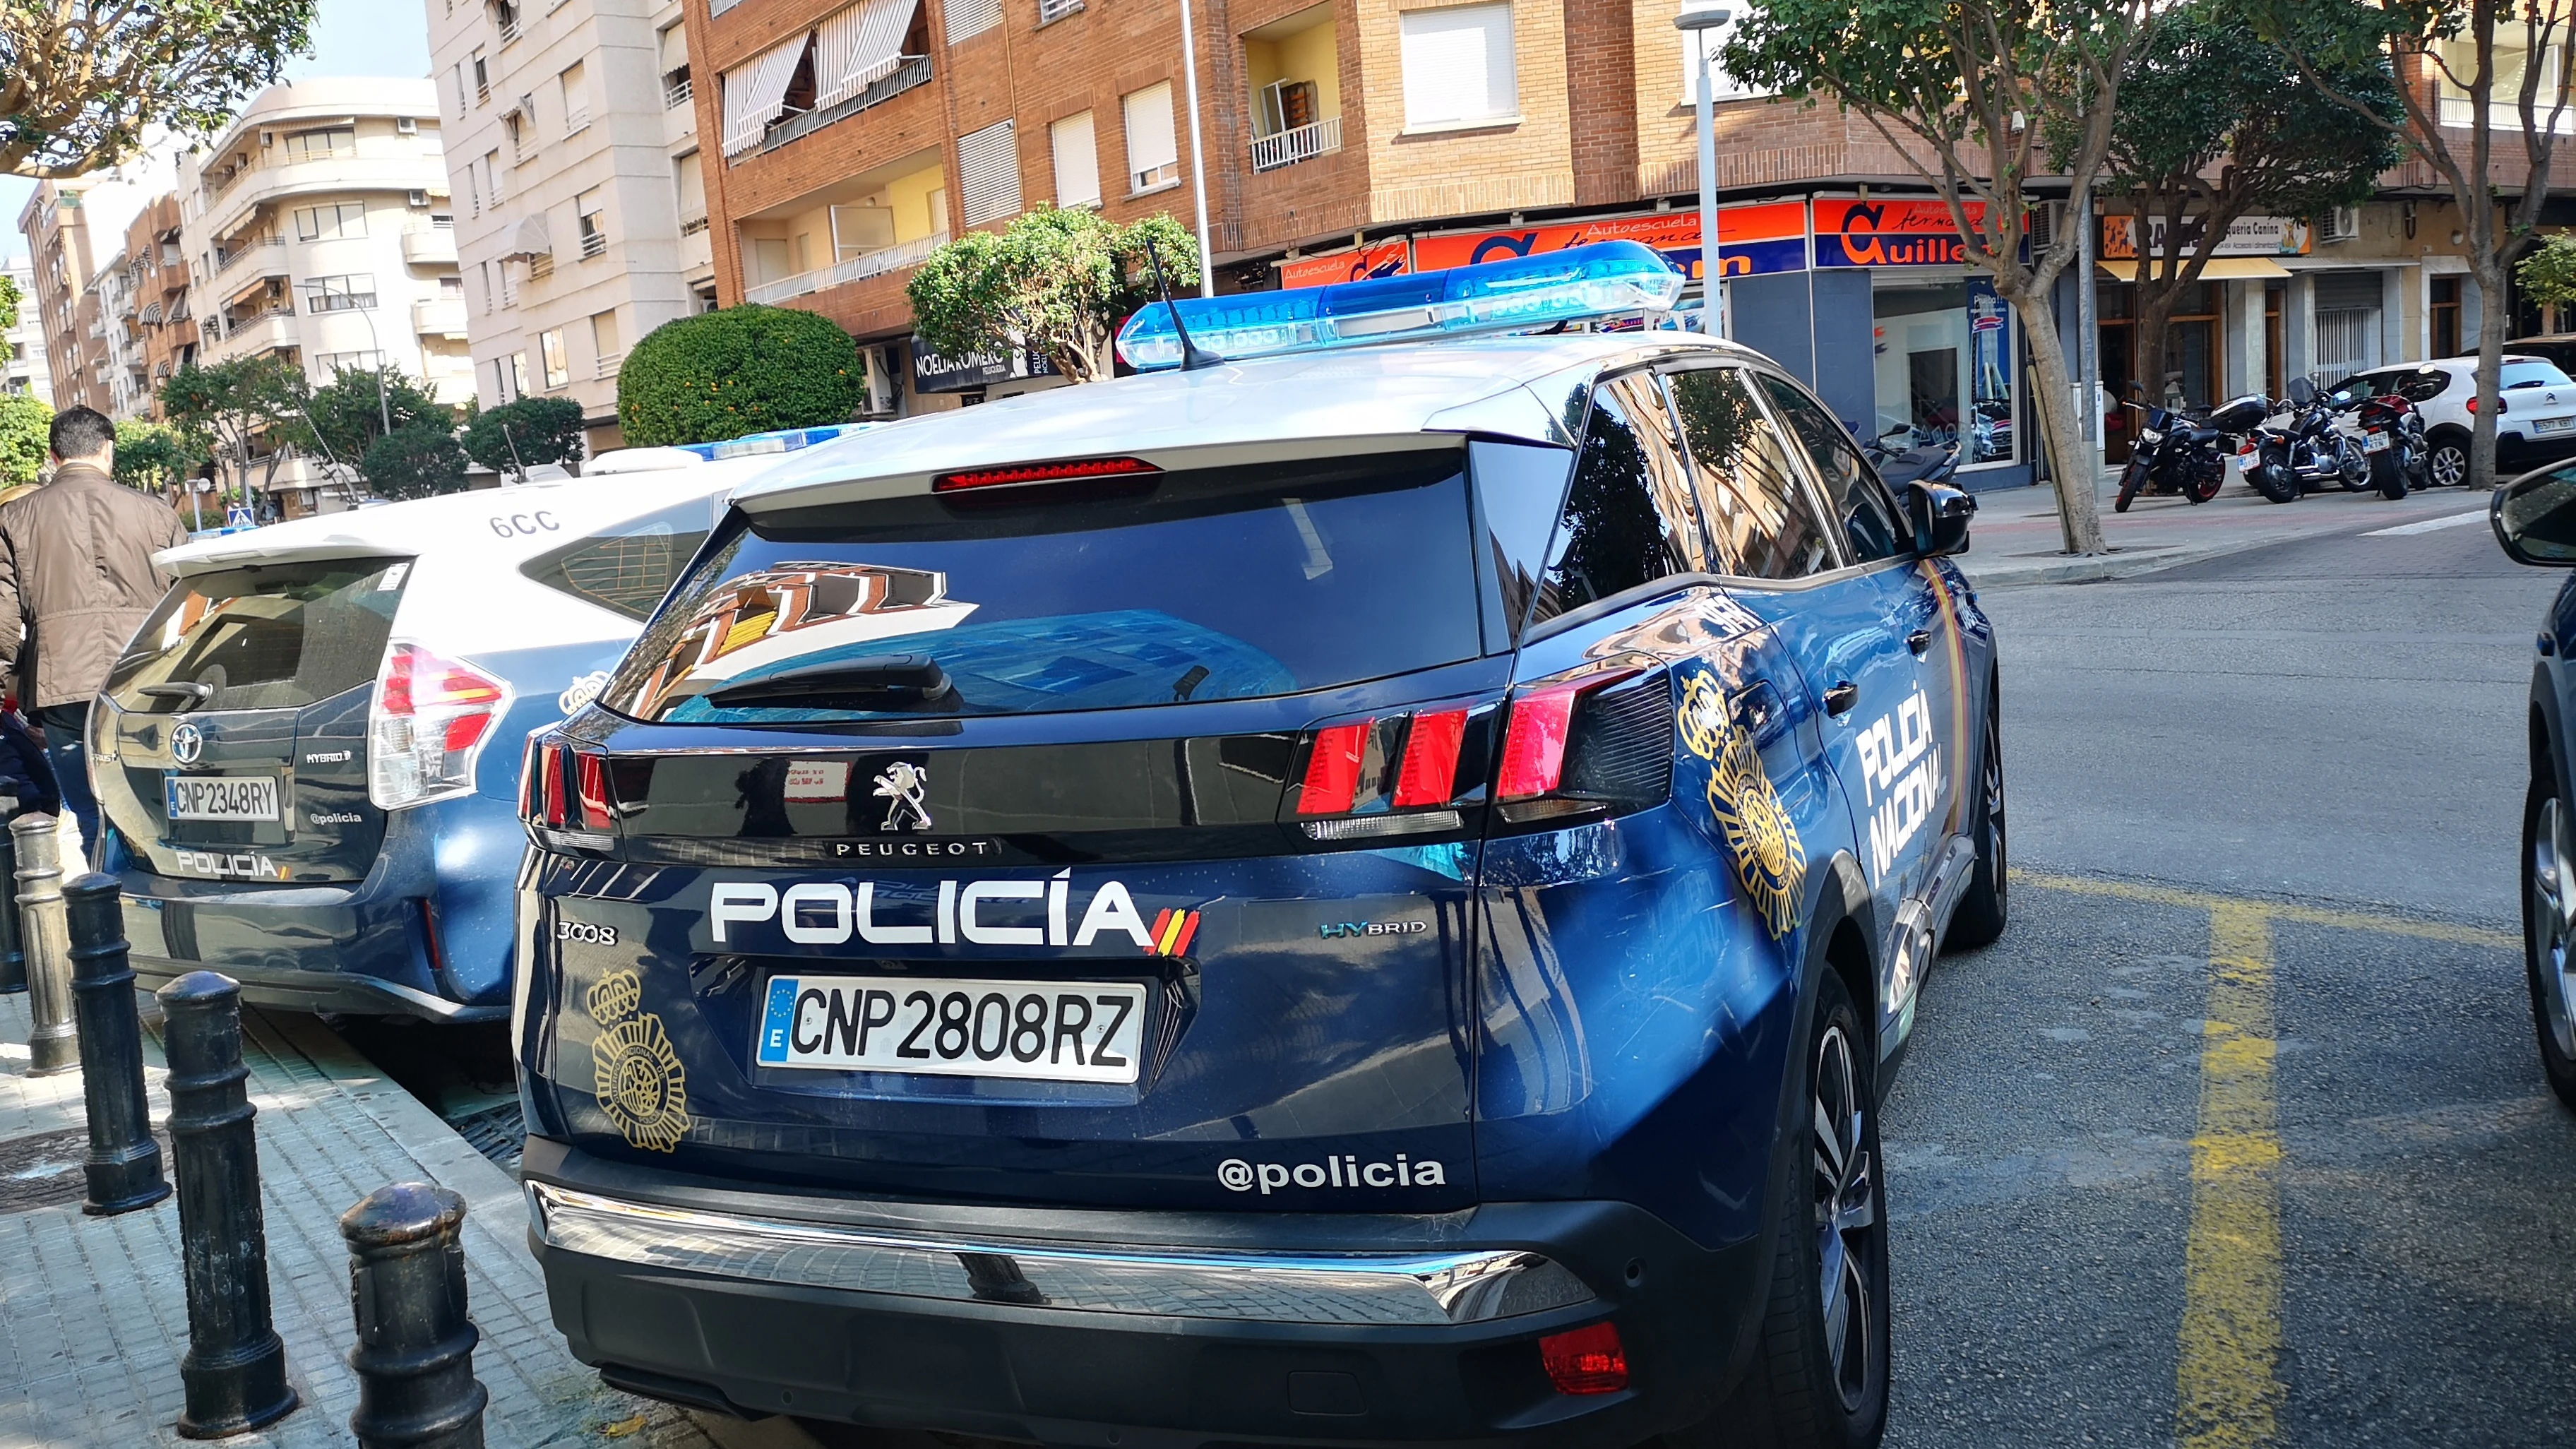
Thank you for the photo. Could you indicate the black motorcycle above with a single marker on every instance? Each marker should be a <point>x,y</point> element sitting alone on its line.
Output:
<point>2177,451</point>
<point>2310,449</point>
<point>1900,460</point>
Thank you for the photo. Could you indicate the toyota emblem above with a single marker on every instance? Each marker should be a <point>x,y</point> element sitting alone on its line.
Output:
<point>186,743</point>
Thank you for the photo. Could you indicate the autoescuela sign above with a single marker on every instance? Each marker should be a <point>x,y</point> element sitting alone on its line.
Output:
<point>1761,238</point>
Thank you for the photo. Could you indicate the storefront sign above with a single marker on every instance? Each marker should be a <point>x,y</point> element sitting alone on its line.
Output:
<point>2247,236</point>
<point>934,373</point>
<point>1352,264</point>
<point>1769,237</point>
<point>1912,233</point>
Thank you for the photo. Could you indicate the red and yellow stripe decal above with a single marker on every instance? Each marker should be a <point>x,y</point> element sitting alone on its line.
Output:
<point>1172,932</point>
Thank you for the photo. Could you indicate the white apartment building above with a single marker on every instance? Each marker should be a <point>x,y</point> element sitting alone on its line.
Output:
<point>581,221</point>
<point>317,228</point>
<point>22,348</point>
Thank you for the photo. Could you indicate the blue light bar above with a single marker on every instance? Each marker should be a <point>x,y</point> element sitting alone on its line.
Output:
<point>1604,279</point>
<point>783,440</point>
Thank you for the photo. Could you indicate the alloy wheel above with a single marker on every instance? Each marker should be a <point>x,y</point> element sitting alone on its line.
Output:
<point>2448,465</point>
<point>1994,792</point>
<point>1846,1218</point>
<point>2553,921</point>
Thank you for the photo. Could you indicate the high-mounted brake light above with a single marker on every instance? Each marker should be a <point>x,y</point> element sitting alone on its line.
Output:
<point>1042,473</point>
<point>1604,279</point>
<point>1587,1360</point>
<point>430,719</point>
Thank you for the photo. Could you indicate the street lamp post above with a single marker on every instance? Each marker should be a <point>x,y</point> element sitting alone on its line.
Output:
<point>384,404</point>
<point>1698,17</point>
<point>1198,167</point>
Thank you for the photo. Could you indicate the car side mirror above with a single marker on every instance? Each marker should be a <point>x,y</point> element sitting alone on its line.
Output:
<point>1940,515</point>
<point>2535,518</point>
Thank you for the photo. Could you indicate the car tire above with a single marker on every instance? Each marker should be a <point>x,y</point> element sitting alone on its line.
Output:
<point>1985,909</point>
<point>2446,461</point>
<point>1820,1369</point>
<point>2548,933</point>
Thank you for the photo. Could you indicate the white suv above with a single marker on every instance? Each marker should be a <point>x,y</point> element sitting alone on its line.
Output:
<point>2537,425</point>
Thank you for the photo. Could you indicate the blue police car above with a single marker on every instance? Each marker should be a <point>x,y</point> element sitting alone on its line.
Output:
<point>2534,517</point>
<point>1365,893</point>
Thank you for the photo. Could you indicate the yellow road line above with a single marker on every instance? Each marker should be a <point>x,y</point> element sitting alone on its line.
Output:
<point>2276,910</point>
<point>2227,1385</point>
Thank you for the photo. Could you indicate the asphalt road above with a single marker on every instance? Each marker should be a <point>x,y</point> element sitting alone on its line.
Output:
<point>2238,1137</point>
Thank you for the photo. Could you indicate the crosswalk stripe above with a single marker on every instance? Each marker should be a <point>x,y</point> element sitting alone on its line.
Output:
<point>2428,525</point>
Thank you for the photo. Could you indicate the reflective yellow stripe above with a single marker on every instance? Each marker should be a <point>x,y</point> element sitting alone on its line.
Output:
<point>1171,933</point>
<point>2227,1388</point>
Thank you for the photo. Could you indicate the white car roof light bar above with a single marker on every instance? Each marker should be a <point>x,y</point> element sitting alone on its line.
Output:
<point>1604,279</point>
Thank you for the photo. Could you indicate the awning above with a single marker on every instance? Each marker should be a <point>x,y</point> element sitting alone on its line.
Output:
<point>530,239</point>
<point>675,48</point>
<point>2216,269</point>
<point>855,48</point>
<point>756,92</point>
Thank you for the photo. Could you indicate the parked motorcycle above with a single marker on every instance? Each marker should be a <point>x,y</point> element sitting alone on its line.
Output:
<point>1900,460</point>
<point>2311,448</point>
<point>2177,452</point>
<point>2392,435</point>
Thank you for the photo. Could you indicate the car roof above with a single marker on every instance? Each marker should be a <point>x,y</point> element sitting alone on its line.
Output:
<point>487,520</point>
<point>1514,387</point>
<point>2452,364</point>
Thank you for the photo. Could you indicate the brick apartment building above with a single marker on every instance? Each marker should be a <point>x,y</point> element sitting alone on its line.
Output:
<point>166,329</point>
<point>1366,137</point>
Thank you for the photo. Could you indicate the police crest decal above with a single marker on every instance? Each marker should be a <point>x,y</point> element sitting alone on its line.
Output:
<point>635,1074</point>
<point>1770,860</point>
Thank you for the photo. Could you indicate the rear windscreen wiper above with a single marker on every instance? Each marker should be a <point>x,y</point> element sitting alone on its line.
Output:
<point>192,692</point>
<point>883,681</point>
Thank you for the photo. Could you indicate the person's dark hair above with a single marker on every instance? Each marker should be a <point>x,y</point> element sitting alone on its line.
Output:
<point>80,432</point>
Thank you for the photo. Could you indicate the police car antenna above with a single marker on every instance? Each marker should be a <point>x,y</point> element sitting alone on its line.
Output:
<point>1192,355</point>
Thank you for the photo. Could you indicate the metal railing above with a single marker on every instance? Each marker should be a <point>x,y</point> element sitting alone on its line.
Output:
<point>856,269</point>
<point>594,243</point>
<point>272,248</point>
<point>509,30</point>
<point>693,226</point>
<point>576,120</point>
<point>913,72</point>
<point>1301,143</point>
<point>606,371</point>
<point>1051,11</point>
<point>678,92</point>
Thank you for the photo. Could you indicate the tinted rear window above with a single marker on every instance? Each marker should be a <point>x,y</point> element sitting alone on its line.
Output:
<point>2530,374</point>
<point>628,568</point>
<point>1220,583</point>
<point>275,636</point>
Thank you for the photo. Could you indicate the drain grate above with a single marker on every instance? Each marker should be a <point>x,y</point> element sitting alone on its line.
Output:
<point>42,1169</point>
<point>497,1132</point>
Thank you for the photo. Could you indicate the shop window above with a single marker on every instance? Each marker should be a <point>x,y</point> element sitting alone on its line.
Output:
<point>1945,367</point>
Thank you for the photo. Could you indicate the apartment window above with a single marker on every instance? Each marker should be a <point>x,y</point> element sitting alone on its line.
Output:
<point>316,144</point>
<point>988,173</point>
<point>458,71</point>
<point>574,85</point>
<point>1153,152</point>
<point>604,343</point>
<point>326,364</point>
<point>331,222</point>
<point>1077,161</point>
<point>482,78</point>
<point>675,66</point>
<point>484,271</point>
<point>550,348</point>
<point>689,179</point>
<point>1458,67</point>
<point>492,174</point>
<point>1721,86</point>
<point>505,18</point>
<point>970,18</point>
<point>589,211</point>
<point>351,292</point>
<point>515,126</point>
<point>473,189</point>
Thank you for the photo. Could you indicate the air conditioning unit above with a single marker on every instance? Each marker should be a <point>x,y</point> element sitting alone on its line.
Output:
<point>416,198</point>
<point>2044,219</point>
<point>2340,225</point>
<point>406,126</point>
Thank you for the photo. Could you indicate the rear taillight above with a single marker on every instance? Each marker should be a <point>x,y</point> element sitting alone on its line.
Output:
<point>431,717</point>
<point>1394,774</point>
<point>562,787</point>
<point>590,775</point>
<point>2501,406</point>
<point>1587,1360</point>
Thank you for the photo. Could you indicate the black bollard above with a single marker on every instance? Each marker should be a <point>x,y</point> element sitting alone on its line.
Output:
<point>13,956</point>
<point>415,1353</point>
<point>235,1370</point>
<point>53,1042</point>
<point>124,1163</point>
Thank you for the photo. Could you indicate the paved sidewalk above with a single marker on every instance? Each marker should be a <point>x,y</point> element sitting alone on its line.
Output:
<point>93,1317</point>
<point>2015,539</point>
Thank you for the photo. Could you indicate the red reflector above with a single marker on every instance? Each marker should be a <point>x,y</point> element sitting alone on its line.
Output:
<point>1588,1360</point>
<point>592,785</point>
<point>1040,473</point>
<point>1430,773</point>
<point>528,781</point>
<point>550,784</point>
<point>1333,770</point>
<point>1534,745</point>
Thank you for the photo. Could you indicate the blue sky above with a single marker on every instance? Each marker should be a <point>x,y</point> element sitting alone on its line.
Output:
<point>354,37</point>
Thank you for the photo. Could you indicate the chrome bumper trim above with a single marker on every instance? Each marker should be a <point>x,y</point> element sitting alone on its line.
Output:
<point>1476,1286</point>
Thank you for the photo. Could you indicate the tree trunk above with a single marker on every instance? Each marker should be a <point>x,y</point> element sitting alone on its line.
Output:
<point>2070,459</point>
<point>2155,320</point>
<point>2493,322</point>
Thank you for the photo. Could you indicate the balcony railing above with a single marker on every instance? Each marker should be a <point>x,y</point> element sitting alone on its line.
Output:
<point>576,120</point>
<point>2504,113</point>
<point>269,251</point>
<point>509,30</point>
<point>1301,143</point>
<point>913,72</point>
<point>606,371</point>
<point>1051,11</point>
<point>693,226</point>
<point>677,93</point>
<point>594,243</point>
<point>856,269</point>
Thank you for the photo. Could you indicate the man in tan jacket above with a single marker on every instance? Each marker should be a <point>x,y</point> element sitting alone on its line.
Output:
<point>76,580</point>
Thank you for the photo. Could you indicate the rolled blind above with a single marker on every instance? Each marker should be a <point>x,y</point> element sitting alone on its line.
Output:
<point>1077,160</point>
<point>1458,65</point>
<point>988,173</point>
<point>755,93</point>
<point>1150,141</point>
<point>967,18</point>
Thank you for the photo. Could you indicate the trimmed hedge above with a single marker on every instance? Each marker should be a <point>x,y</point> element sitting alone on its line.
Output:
<point>747,369</point>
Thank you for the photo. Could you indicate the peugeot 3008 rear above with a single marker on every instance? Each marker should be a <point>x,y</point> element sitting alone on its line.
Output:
<point>1094,922</point>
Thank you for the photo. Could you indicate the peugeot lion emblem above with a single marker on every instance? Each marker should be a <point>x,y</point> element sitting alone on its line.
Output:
<point>901,785</point>
<point>186,743</point>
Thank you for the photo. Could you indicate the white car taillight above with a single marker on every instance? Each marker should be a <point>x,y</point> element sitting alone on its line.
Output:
<point>430,719</point>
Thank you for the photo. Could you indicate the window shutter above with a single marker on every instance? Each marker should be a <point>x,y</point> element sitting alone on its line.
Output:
<point>1151,144</point>
<point>855,48</point>
<point>755,93</point>
<point>1077,161</point>
<point>1458,65</point>
<point>969,18</point>
<point>988,173</point>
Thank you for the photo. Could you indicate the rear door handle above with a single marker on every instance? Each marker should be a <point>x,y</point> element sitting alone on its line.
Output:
<point>1919,641</point>
<point>1841,696</point>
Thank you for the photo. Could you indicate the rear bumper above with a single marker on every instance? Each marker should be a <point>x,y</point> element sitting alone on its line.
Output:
<point>1145,1330</point>
<point>348,993</point>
